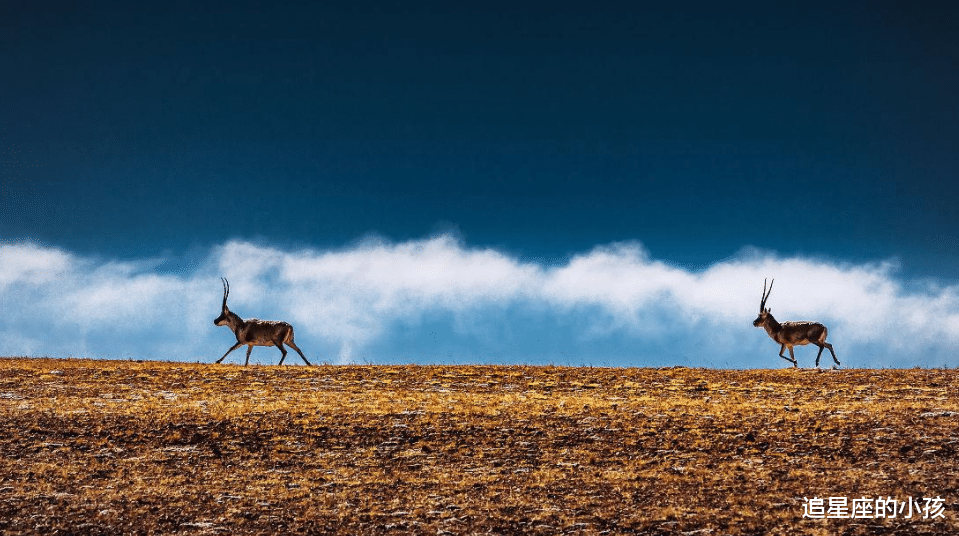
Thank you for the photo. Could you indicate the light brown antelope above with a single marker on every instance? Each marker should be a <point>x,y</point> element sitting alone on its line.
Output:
<point>253,332</point>
<point>790,334</point>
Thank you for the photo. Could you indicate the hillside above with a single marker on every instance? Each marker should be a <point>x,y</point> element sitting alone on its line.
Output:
<point>108,447</point>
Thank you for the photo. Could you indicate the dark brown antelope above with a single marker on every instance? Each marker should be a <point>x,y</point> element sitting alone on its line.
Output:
<point>253,332</point>
<point>790,334</point>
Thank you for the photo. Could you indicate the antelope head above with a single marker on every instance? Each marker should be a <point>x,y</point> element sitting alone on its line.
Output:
<point>225,318</point>
<point>764,313</point>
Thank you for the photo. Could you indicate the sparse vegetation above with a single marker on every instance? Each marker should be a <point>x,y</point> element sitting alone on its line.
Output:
<point>108,447</point>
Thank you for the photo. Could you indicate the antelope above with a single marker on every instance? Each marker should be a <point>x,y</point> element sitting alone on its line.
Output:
<point>790,334</point>
<point>253,332</point>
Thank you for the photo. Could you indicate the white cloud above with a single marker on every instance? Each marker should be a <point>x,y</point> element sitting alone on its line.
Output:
<point>614,298</point>
<point>31,264</point>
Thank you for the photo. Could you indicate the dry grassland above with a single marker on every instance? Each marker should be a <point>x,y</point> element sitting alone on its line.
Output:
<point>102,447</point>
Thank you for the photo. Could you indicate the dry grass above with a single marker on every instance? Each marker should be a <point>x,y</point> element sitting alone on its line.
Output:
<point>105,447</point>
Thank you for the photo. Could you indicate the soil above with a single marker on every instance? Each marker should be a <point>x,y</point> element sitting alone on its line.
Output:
<point>125,447</point>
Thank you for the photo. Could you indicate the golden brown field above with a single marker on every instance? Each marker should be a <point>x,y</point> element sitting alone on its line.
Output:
<point>109,447</point>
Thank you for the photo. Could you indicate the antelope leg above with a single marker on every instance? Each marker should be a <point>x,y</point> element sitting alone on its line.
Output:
<point>235,346</point>
<point>295,347</point>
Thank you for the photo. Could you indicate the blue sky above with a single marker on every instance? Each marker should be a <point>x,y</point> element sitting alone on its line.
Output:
<point>425,181</point>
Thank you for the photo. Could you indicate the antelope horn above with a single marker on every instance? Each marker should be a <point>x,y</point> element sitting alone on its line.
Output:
<point>226,291</point>
<point>762,304</point>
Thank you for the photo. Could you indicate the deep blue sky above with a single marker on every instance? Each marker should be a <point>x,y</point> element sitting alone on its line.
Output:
<point>541,129</point>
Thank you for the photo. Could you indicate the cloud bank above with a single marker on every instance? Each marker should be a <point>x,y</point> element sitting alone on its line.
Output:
<point>438,300</point>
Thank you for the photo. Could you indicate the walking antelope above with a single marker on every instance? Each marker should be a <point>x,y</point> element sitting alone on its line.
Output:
<point>790,334</point>
<point>253,332</point>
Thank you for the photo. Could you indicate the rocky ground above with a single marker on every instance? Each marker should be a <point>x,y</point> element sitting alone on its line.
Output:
<point>111,447</point>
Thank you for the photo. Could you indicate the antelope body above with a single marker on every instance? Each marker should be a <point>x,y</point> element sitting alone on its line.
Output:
<point>253,332</point>
<point>790,334</point>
